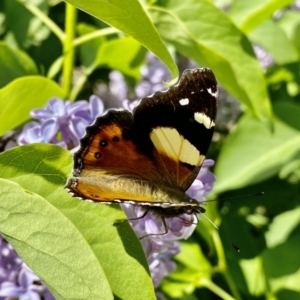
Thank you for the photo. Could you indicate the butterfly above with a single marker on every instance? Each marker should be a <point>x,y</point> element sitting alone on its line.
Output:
<point>150,157</point>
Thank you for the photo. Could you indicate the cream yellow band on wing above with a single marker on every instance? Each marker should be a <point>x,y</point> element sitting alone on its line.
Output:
<point>168,141</point>
<point>204,119</point>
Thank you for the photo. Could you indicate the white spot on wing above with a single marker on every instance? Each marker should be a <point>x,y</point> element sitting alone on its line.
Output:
<point>184,101</point>
<point>204,119</point>
<point>168,141</point>
<point>212,93</point>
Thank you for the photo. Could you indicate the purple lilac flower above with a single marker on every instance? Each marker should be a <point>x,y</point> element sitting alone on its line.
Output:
<point>27,287</point>
<point>64,117</point>
<point>160,249</point>
<point>153,76</point>
<point>10,263</point>
<point>16,279</point>
<point>117,93</point>
<point>296,5</point>
<point>113,93</point>
<point>263,56</point>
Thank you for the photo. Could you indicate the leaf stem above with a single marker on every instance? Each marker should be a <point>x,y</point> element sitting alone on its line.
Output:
<point>222,265</point>
<point>87,37</point>
<point>80,83</point>
<point>68,48</point>
<point>205,282</point>
<point>45,19</point>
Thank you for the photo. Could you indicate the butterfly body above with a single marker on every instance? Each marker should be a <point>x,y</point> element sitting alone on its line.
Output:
<point>150,157</point>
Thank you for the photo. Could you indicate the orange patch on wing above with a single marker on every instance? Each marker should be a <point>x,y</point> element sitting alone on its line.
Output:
<point>109,151</point>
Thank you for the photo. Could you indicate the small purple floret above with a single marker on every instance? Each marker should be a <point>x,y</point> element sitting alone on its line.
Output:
<point>61,122</point>
<point>159,249</point>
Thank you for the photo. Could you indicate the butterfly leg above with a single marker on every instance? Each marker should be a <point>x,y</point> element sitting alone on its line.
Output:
<point>138,218</point>
<point>163,233</point>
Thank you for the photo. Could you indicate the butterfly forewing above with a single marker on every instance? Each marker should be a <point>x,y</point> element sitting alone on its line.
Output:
<point>180,124</point>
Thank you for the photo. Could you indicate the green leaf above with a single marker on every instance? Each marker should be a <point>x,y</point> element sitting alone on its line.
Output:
<point>14,63</point>
<point>290,24</point>
<point>131,18</point>
<point>249,14</point>
<point>23,95</point>
<point>256,284</point>
<point>193,266</point>
<point>125,55</point>
<point>288,113</point>
<point>285,285</point>
<point>281,227</point>
<point>191,256</point>
<point>25,29</point>
<point>269,35</point>
<point>206,35</point>
<point>88,53</point>
<point>55,68</point>
<point>286,264</point>
<point>88,50</point>
<point>71,244</point>
<point>37,231</point>
<point>252,153</point>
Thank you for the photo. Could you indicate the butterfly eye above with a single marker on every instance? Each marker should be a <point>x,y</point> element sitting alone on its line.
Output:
<point>201,210</point>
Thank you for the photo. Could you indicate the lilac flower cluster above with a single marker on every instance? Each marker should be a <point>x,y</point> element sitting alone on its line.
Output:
<point>17,281</point>
<point>61,118</point>
<point>160,249</point>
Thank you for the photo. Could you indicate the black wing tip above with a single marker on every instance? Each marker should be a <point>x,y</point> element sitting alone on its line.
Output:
<point>206,73</point>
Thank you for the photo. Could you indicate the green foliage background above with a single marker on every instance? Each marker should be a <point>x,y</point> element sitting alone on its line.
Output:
<point>73,246</point>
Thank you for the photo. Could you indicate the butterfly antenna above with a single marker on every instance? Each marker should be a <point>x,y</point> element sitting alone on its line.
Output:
<point>236,197</point>
<point>221,232</point>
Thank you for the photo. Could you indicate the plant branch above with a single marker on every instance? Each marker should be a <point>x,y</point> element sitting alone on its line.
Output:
<point>215,289</point>
<point>222,265</point>
<point>87,37</point>
<point>45,19</point>
<point>68,48</point>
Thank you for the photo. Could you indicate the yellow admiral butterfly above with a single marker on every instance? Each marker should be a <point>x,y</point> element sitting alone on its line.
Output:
<point>150,157</point>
